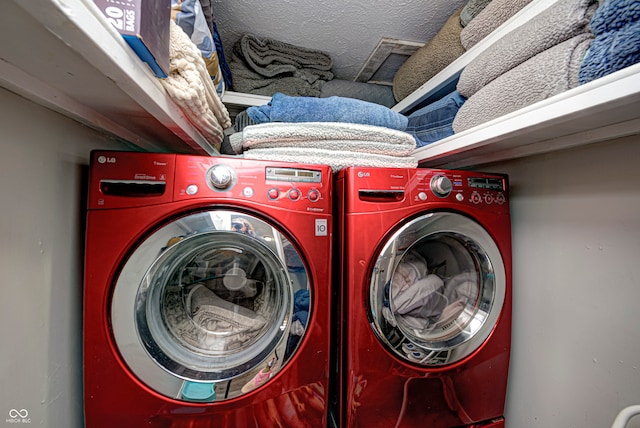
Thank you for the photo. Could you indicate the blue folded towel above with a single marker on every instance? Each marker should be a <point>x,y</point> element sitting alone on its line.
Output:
<point>284,108</point>
<point>612,50</point>
<point>614,14</point>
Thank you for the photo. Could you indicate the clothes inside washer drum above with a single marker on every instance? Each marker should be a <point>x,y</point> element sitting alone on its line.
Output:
<point>210,315</point>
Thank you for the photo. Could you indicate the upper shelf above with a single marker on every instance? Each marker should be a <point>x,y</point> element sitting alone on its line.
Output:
<point>66,56</point>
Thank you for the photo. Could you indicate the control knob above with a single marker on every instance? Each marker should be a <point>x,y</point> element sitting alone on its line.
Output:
<point>220,176</point>
<point>441,186</point>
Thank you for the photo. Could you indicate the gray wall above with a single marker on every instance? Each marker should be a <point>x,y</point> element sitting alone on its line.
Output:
<point>42,188</point>
<point>576,298</point>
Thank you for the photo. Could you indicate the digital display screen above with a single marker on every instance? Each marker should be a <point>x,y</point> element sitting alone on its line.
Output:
<point>294,175</point>
<point>486,183</point>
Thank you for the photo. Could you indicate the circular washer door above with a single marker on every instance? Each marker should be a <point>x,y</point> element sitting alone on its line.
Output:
<point>210,306</point>
<point>437,289</point>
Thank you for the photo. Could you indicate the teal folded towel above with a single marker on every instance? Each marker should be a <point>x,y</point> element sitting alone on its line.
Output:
<point>284,108</point>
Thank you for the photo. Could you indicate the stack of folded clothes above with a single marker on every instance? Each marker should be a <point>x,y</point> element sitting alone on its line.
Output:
<point>334,131</point>
<point>478,18</point>
<point>532,63</point>
<point>616,26</point>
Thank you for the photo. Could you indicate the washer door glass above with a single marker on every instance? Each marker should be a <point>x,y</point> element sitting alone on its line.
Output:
<point>437,289</point>
<point>203,309</point>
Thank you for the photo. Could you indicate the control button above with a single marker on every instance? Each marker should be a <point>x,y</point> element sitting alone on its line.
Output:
<point>273,193</point>
<point>294,194</point>
<point>459,197</point>
<point>476,198</point>
<point>247,192</point>
<point>488,198</point>
<point>220,176</point>
<point>422,196</point>
<point>192,189</point>
<point>441,186</point>
<point>500,199</point>
<point>313,195</point>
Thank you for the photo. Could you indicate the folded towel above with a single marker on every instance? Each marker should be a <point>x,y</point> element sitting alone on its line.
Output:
<point>471,10</point>
<point>615,14</point>
<point>558,23</point>
<point>328,136</point>
<point>272,58</point>
<point>491,17</point>
<point>336,159</point>
<point>283,108</point>
<point>615,49</point>
<point>430,59</point>
<point>551,72</point>
<point>189,85</point>
<point>268,66</point>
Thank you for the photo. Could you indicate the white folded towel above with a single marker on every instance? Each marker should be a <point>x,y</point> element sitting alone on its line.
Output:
<point>336,159</point>
<point>189,85</point>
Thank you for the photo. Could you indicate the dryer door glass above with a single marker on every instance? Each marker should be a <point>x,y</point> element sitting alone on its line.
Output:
<point>210,299</point>
<point>437,289</point>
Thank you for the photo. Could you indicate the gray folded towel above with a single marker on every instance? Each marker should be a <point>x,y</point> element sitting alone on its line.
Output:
<point>558,23</point>
<point>491,17</point>
<point>271,58</point>
<point>266,66</point>
<point>551,72</point>
<point>471,10</point>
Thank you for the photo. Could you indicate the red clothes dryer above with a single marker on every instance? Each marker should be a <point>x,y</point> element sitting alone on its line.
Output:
<point>207,292</point>
<point>426,298</point>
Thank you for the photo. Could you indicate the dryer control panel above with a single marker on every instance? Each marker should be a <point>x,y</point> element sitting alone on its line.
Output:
<point>383,188</point>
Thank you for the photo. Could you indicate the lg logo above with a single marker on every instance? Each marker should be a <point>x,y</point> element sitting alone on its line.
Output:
<point>105,159</point>
<point>362,174</point>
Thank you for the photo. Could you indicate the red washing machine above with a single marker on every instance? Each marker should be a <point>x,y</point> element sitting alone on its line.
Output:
<point>426,298</point>
<point>207,292</point>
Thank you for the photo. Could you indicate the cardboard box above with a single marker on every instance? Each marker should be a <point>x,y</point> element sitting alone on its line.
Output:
<point>144,24</point>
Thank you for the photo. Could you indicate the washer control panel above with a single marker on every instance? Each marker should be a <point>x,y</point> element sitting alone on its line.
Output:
<point>291,186</point>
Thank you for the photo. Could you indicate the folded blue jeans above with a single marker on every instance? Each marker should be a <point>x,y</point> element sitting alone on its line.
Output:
<point>435,121</point>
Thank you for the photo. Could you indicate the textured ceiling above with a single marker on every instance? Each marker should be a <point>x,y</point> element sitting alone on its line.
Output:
<point>347,30</point>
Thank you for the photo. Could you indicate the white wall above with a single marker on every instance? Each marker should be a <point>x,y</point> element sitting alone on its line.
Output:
<point>42,191</point>
<point>576,298</point>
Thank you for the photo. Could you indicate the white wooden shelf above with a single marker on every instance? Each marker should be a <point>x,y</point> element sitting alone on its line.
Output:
<point>601,110</point>
<point>64,55</point>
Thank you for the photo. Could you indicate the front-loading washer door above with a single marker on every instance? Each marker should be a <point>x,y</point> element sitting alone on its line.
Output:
<point>437,289</point>
<point>210,306</point>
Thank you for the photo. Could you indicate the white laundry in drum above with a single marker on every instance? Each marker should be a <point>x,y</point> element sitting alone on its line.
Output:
<point>210,323</point>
